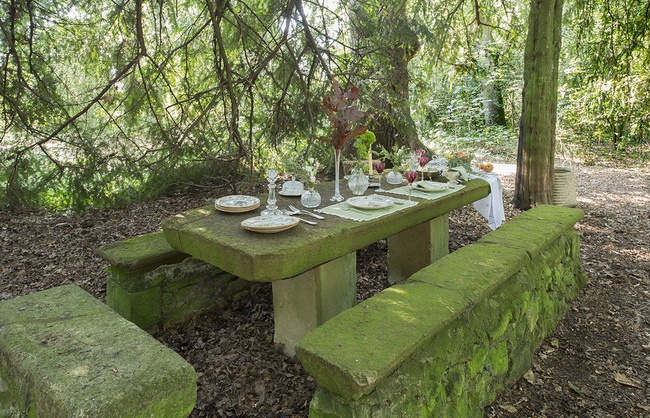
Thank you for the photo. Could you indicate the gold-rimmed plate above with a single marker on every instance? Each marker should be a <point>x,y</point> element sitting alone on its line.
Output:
<point>269,224</point>
<point>370,202</point>
<point>237,203</point>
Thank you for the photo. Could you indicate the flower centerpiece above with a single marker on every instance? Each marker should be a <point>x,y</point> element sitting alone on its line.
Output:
<point>346,122</point>
<point>310,198</point>
<point>459,162</point>
<point>459,159</point>
<point>363,145</point>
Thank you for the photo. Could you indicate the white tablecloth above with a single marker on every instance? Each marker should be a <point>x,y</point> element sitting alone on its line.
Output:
<point>491,207</point>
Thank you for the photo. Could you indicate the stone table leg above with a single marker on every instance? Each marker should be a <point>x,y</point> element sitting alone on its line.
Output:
<point>303,302</point>
<point>417,247</point>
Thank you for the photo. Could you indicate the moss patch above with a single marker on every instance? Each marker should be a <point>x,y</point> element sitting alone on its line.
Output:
<point>64,354</point>
<point>502,298</point>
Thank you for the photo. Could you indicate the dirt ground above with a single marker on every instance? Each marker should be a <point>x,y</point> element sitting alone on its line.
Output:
<point>596,364</point>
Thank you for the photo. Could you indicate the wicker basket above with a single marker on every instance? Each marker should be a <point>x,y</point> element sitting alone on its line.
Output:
<point>564,188</point>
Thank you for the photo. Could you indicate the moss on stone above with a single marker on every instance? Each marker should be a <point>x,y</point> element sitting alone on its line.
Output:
<point>64,354</point>
<point>141,253</point>
<point>473,271</point>
<point>217,238</point>
<point>354,350</point>
<point>535,230</point>
<point>457,369</point>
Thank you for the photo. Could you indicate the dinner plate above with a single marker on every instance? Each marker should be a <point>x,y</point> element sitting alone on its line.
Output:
<point>237,203</point>
<point>370,202</point>
<point>431,186</point>
<point>269,224</point>
<point>291,193</point>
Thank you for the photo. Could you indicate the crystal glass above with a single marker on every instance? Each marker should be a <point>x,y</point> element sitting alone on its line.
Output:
<point>394,176</point>
<point>413,161</point>
<point>358,182</point>
<point>410,177</point>
<point>422,161</point>
<point>310,198</point>
<point>271,208</point>
<point>337,162</point>
<point>379,168</point>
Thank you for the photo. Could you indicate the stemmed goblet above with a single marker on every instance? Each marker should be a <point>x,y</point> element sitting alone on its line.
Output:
<point>423,161</point>
<point>410,177</point>
<point>379,167</point>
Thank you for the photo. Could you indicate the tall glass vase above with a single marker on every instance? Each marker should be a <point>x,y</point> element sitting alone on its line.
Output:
<point>337,163</point>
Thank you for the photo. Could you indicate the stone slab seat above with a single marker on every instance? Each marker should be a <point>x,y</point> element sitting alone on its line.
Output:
<point>140,254</point>
<point>356,350</point>
<point>65,354</point>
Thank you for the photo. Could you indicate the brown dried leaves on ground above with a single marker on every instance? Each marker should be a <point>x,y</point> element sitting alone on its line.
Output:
<point>596,364</point>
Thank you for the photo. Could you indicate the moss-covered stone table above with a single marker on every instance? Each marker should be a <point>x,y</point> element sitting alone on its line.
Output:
<point>313,268</point>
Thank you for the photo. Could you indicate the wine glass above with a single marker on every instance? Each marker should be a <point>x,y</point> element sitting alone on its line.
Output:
<point>423,161</point>
<point>412,161</point>
<point>379,168</point>
<point>410,177</point>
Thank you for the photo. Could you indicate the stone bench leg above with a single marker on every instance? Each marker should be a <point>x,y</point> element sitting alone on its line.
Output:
<point>303,302</point>
<point>417,247</point>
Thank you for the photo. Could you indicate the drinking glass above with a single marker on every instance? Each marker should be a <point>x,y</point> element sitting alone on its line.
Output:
<point>410,177</point>
<point>379,168</point>
<point>423,162</point>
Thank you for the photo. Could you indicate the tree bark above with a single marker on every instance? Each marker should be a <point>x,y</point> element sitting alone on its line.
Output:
<point>392,123</point>
<point>535,156</point>
<point>492,91</point>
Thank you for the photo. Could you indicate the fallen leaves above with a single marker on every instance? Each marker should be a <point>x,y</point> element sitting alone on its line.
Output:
<point>591,366</point>
<point>626,381</point>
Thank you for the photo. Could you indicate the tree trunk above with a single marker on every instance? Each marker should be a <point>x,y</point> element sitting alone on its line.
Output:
<point>392,123</point>
<point>493,109</point>
<point>535,156</point>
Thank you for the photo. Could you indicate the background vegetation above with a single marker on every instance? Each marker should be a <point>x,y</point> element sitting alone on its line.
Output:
<point>104,103</point>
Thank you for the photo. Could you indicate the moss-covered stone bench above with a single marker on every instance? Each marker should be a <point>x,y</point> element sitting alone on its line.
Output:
<point>153,285</point>
<point>446,341</point>
<point>65,354</point>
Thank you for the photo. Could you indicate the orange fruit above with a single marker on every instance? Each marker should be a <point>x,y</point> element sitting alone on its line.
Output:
<point>488,167</point>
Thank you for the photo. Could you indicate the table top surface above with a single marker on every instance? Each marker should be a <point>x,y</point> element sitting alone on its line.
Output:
<point>218,238</point>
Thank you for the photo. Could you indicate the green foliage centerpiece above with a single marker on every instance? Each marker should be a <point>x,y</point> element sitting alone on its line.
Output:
<point>345,119</point>
<point>363,145</point>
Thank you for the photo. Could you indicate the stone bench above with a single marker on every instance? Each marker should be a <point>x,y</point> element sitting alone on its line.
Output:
<point>65,354</point>
<point>154,285</point>
<point>448,339</point>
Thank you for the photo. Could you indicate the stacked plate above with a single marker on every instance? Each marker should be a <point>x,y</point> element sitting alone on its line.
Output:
<point>269,224</point>
<point>237,203</point>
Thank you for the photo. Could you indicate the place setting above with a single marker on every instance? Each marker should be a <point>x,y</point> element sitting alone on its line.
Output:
<point>365,208</point>
<point>272,219</point>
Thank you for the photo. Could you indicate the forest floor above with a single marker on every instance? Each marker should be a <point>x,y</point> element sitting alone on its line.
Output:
<point>596,364</point>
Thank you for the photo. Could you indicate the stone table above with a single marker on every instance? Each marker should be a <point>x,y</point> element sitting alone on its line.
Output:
<point>313,268</point>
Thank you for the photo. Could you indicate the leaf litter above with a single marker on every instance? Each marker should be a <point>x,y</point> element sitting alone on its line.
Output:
<point>601,347</point>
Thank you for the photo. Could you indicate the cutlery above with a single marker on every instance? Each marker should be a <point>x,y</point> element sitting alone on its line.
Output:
<point>305,212</point>
<point>286,212</point>
<point>346,208</point>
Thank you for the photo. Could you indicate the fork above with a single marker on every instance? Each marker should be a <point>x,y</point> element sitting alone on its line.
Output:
<point>305,212</point>
<point>346,208</point>
<point>303,220</point>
